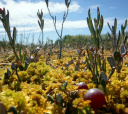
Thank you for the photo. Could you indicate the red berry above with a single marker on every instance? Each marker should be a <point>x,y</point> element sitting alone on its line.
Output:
<point>82,85</point>
<point>19,63</point>
<point>97,98</point>
<point>1,11</point>
<point>2,109</point>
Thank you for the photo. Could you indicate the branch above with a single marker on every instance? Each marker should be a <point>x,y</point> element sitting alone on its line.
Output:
<point>53,22</point>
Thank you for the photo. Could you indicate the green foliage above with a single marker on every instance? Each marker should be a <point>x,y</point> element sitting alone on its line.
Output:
<point>119,48</point>
<point>67,3</point>
<point>95,61</point>
<point>41,22</point>
<point>22,56</point>
<point>98,24</point>
<point>46,2</point>
<point>121,35</point>
<point>66,102</point>
<point>74,41</point>
<point>12,39</point>
<point>5,21</point>
<point>12,109</point>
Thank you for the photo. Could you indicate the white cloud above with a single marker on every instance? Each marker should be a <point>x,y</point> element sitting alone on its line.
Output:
<point>67,25</point>
<point>76,24</point>
<point>61,7</point>
<point>23,14</point>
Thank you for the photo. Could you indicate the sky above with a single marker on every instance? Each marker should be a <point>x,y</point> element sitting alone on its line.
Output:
<point>23,16</point>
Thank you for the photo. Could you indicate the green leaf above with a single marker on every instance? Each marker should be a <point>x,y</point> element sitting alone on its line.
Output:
<point>111,73</point>
<point>7,20</point>
<point>98,43</point>
<point>67,3</point>
<point>118,40</point>
<point>109,36</point>
<point>109,27</point>
<point>93,33</point>
<point>125,39</point>
<point>88,65</point>
<point>46,2</point>
<point>88,24</point>
<point>89,55</point>
<point>6,76</point>
<point>12,109</point>
<point>103,83</point>
<point>21,68</point>
<point>77,67</point>
<point>59,98</point>
<point>122,29</point>
<point>42,24</point>
<point>50,98</point>
<point>98,14</point>
<point>39,24</point>
<point>24,57</point>
<point>8,72</point>
<point>103,75</point>
<point>89,15</point>
<point>14,35</point>
<point>96,70</point>
<point>38,14</point>
<point>13,66</point>
<point>101,24</point>
<point>101,88</point>
<point>62,88</point>
<point>111,61</point>
<point>20,53</point>
<point>115,25</point>
<point>119,68</point>
<point>26,65</point>
<point>123,49</point>
<point>91,25</point>
<point>98,60</point>
<point>95,23</point>
<point>65,84</point>
<point>41,13</point>
<point>117,56</point>
<point>104,66</point>
<point>91,28</point>
<point>125,24</point>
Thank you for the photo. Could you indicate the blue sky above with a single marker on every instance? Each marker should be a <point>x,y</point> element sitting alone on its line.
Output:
<point>23,16</point>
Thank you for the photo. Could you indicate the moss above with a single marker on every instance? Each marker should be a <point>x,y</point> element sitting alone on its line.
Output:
<point>24,76</point>
<point>35,79</point>
<point>40,79</point>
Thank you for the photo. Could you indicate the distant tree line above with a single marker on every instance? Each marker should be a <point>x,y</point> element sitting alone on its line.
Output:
<point>72,41</point>
<point>82,40</point>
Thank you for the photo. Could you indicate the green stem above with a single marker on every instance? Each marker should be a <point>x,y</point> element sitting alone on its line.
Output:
<point>96,80</point>
<point>14,51</point>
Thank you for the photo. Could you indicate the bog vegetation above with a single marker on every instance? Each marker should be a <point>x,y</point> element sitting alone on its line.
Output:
<point>75,75</point>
